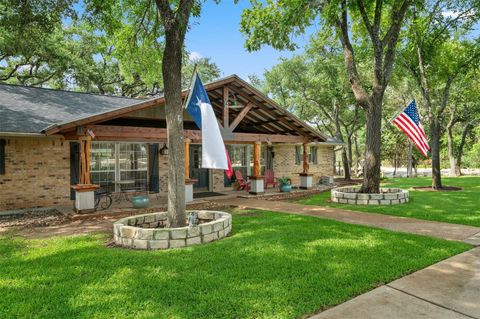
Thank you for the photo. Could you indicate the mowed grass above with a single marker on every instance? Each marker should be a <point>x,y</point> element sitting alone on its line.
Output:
<point>458,207</point>
<point>274,266</point>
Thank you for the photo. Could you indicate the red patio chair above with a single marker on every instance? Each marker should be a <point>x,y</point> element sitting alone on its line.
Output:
<point>242,183</point>
<point>270,179</point>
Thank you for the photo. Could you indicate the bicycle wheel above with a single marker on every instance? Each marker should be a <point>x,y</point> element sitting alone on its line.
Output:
<point>105,202</point>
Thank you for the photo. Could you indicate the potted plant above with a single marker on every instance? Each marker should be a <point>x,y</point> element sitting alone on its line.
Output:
<point>285,184</point>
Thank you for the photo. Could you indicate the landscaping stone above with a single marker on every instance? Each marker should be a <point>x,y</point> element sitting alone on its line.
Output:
<point>351,195</point>
<point>161,234</point>
<point>128,231</point>
<point>178,233</point>
<point>193,231</point>
<point>140,244</point>
<point>147,235</point>
<point>206,229</point>
<point>194,241</point>
<point>209,237</point>
<point>177,243</point>
<point>158,244</point>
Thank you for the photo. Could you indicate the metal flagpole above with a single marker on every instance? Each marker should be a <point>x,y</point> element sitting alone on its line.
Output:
<point>190,87</point>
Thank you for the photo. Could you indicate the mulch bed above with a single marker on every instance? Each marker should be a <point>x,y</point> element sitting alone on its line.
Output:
<point>55,218</point>
<point>443,189</point>
<point>34,219</point>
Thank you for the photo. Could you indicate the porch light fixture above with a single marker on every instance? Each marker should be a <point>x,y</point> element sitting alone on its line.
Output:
<point>164,150</point>
<point>235,104</point>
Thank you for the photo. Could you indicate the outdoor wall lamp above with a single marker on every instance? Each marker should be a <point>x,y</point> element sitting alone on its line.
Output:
<point>164,150</point>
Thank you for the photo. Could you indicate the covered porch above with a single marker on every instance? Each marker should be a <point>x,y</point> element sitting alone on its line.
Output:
<point>125,150</point>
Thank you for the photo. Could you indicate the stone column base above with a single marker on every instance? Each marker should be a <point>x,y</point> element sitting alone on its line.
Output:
<point>256,185</point>
<point>189,190</point>
<point>306,181</point>
<point>84,197</point>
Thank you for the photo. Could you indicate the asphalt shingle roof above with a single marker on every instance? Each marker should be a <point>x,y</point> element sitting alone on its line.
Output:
<point>30,110</point>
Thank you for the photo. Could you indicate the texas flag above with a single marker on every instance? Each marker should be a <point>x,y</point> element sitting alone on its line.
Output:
<point>214,152</point>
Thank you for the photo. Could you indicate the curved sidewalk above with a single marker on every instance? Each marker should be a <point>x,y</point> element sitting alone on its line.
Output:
<point>449,289</point>
<point>447,231</point>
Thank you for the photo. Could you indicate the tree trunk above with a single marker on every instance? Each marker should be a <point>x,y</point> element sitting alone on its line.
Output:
<point>349,154</point>
<point>466,129</point>
<point>435,151</point>
<point>451,150</point>
<point>410,159</point>
<point>357,155</point>
<point>171,71</point>
<point>371,177</point>
<point>395,164</point>
<point>346,167</point>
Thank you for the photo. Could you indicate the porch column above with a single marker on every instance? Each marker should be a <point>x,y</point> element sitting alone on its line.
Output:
<point>85,191</point>
<point>306,179</point>
<point>187,158</point>
<point>188,182</point>
<point>256,180</point>
<point>85,142</point>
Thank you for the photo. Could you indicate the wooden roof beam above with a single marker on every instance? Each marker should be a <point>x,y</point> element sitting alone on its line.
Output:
<point>240,116</point>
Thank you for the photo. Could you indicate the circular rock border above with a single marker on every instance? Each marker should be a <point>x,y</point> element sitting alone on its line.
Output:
<point>138,231</point>
<point>387,196</point>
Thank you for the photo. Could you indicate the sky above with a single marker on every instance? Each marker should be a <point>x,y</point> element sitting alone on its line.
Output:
<point>216,34</point>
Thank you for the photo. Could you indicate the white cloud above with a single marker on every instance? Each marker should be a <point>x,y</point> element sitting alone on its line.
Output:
<point>194,56</point>
<point>455,14</point>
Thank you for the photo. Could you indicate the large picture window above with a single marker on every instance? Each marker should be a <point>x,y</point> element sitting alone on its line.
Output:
<point>119,166</point>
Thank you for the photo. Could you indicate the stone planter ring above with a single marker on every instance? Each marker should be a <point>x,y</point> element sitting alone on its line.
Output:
<point>146,232</point>
<point>387,196</point>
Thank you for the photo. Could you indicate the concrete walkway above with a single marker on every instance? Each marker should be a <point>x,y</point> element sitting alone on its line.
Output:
<point>447,231</point>
<point>449,289</point>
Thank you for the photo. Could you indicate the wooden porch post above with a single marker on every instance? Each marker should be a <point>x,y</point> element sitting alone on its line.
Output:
<point>256,180</point>
<point>85,142</point>
<point>306,179</point>
<point>256,158</point>
<point>187,158</point>
<point>305,159</point>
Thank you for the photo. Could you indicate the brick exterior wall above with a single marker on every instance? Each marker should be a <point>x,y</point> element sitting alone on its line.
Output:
<point>218,181</point>
<point>284,163</point>
<point>37,173</point>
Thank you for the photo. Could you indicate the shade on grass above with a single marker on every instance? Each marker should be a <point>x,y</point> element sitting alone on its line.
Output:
<point>274,266</point>
<point>457,207</point>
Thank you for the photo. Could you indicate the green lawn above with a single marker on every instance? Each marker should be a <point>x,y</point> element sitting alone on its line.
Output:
<point>459,207</point>
<point>274,266</point>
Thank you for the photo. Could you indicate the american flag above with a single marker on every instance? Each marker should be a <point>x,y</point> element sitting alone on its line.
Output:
<point>409,122</point>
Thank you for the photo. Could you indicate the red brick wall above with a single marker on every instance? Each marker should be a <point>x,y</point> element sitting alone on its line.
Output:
<point>37,173</point>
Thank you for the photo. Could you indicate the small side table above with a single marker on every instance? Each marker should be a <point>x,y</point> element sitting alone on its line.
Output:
<point>123,194</point>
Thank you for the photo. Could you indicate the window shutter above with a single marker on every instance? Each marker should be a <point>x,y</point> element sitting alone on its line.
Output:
<point>74,166</point>
<point>298,154</point>
<point>315,154</point>
<point>153,169</point>
<point>2,157</point>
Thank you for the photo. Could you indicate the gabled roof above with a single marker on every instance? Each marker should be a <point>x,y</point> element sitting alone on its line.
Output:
<point>60,111</point>
<point>25,109</point>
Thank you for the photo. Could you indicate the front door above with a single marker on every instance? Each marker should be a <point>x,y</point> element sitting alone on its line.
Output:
<point>196,170</point>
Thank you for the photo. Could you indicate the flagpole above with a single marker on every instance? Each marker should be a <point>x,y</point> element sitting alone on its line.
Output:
<point>192,82</point>
<point>399,111</point>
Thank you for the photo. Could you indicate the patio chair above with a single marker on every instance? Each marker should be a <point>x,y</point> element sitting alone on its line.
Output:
<point>270,179</point>
<point>242,183</point>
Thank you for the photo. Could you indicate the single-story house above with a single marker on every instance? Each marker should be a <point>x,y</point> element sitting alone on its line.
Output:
<point>44,134</point>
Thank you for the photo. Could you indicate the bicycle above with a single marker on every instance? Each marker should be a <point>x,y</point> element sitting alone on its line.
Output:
<point>103,199</point>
